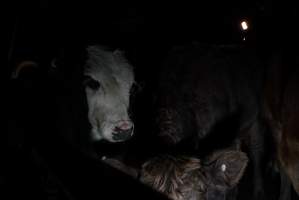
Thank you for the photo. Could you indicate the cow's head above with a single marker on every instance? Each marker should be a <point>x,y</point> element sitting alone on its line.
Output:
<point>187,178</point>
<point>174,120</point>
<point>109,78</point>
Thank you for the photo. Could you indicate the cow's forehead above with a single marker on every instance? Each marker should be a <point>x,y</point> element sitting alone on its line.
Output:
<point>108,68</point>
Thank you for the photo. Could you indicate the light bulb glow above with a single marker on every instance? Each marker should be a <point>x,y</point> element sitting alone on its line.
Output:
<point>244,25</point>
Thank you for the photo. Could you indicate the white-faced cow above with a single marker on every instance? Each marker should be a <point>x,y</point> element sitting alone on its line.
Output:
<point>209,96</point>
<point>87,97</point>
<point>108,84</point>
<point>84,96</point>
<point>96,91</point>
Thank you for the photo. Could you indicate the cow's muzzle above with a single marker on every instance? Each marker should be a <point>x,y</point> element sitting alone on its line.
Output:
<point>123,131</point>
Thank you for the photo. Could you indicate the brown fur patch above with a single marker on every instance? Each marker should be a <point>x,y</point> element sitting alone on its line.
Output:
<point>173,176</point>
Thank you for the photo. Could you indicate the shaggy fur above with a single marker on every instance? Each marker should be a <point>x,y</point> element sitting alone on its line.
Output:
<point>188,178</point>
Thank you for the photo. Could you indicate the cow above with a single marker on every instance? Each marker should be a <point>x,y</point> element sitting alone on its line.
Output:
<point>81,97</point>
<point>209,97</point>
<point>109,80</point>
<point>89,92</point>
<point>281,109</point>
<point>187,178</point>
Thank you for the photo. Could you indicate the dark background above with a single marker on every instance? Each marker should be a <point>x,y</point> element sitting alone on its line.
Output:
<point>146,30</point>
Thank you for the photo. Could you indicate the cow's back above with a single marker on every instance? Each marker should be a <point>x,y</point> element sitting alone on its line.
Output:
<point>215,82</point>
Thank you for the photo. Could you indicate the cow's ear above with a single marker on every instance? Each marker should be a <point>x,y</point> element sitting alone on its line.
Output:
<point>120,56</point>
<point>117,51</point>
<point>55,70</point>
<point>226,168</point>
<point>57,65</point>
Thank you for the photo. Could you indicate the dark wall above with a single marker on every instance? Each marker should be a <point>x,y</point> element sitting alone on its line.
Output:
<point>145,30</point>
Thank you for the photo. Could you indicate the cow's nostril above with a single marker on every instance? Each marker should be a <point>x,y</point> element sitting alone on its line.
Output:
<point>122,134</point>
<point>122,130</point>
<point>123,126</point>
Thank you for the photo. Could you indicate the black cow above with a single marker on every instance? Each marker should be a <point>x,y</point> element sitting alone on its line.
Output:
<point>209,95</point>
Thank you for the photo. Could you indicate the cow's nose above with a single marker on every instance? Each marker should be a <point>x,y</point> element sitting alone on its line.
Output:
<point>123,130</point>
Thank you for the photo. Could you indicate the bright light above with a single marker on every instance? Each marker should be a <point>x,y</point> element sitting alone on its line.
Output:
<point>244,25</point>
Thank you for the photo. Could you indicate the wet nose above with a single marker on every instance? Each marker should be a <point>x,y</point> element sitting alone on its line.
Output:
<point>123,130</point>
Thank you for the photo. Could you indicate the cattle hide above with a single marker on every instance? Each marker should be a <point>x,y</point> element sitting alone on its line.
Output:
<point>209,97</point>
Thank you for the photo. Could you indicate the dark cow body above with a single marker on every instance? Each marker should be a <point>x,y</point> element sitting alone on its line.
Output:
<point>209,96</point>
<point>282,113</point>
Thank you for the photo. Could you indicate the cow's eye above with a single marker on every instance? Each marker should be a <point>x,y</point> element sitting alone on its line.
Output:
<point>91,83</point>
